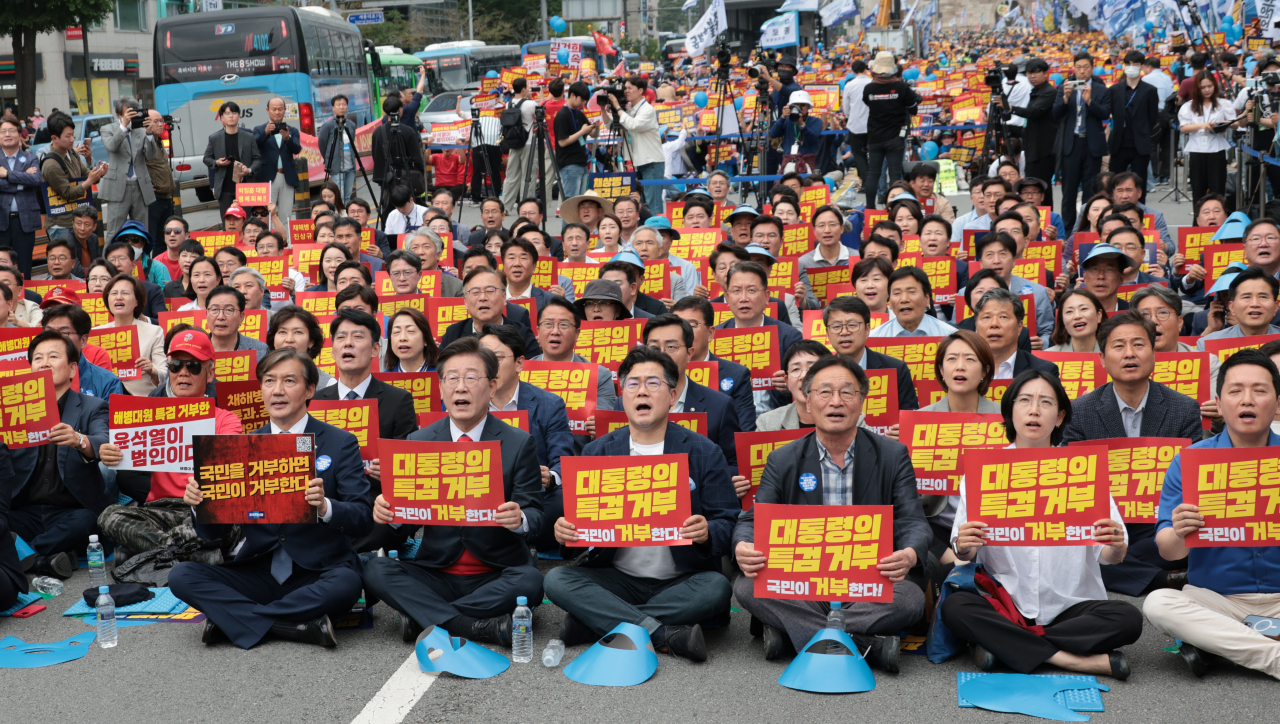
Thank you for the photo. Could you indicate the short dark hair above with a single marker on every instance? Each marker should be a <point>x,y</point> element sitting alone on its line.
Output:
<point>472,346</point>
<point>1253,224</point>
<point>1248,357</point>
<point>804,346</point>
<point>1119,319</point>
<point>559,301</point>
<point>645,353</point>
<point>80,320</point>
<point>400,195</point>
<point>766,220</point>
<point>1251,274</point>
<point>139,293</point>
<point>508,336</point>
<point>519,84</point>
<point>290,313</point>
<point>475,251</point>
<point>1064,403</point>
<point>222,289</point>
<point>405,256</point>
<point>59,242</point>
<point>339,97</point>
<point>724,247</point>
<point>980,348</point>
<point>581,90</point>
<point>352,264</point>
<point>837,360</point>
<point>359,317</point>
<point>1012,215</point>
<point>638,81</point>
<point>522,244</point>
<point>697,304</point>
<point>748,267</point>
<point>626,267</point>
<point>847,305</point>
<point>191,246</point>
<point>1120,178</point>
<point>998,237</point>
<point>934,219</point>
<point>284,354</point>
<point>228,106</point>
<point>241,259</point>
<point>495,200</point>
<point>667,319</point>
<point>868,265</point>
<point>1134,57</point>
<point>73,352</point>
<point>912,272</point>
<point>391,104</point>
<point>1083,55</point>
<point>889,244</point>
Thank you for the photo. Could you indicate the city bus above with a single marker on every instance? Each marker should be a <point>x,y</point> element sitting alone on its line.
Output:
<point>588,43</point>
<point>459,65</point>
<point>399,70</point>
<point>304,55</point>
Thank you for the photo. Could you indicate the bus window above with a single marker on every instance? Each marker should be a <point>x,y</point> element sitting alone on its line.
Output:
<point>246,47</point>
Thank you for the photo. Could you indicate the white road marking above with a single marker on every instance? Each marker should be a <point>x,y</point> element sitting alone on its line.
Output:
<point>397,697</point>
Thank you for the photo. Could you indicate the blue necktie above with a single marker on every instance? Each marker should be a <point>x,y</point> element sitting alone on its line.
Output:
<point>351,395</point>
<point>281,564</point>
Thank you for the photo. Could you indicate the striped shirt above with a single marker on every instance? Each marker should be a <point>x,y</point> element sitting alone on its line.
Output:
<point>837,482</point>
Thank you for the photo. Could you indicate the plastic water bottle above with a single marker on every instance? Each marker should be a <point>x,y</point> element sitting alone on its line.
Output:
<point>97,563</point>
<point>551,655</point>
<point>47,586</point>
<point>835,618</point>
<point>522,632</point>
<point>393,554</point>
<point>106,618</point>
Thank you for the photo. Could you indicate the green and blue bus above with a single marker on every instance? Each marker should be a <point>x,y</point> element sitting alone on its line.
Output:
<point>395,70</point>
<point>460,65</point>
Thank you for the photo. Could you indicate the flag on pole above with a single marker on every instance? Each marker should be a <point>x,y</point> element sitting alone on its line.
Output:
<point>712,23</point>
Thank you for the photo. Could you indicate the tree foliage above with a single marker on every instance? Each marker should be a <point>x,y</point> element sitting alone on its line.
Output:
<point>23,21</point>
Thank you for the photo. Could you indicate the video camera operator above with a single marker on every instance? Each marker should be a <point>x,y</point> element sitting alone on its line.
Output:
<point>1266,99</point>
<point>1042,127</point>
<point>397,155</point>
<point>890,105</point>
<point>800,133</point>
<point>644,146</point>
<point>338,148</point>
<point>1017,87</point>
<point>782,80</point>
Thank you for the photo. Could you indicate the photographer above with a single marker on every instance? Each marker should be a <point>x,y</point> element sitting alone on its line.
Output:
<point>1204,120</point>
<point>1083,106</point>
<point>571,126</point>
<point>784,84</point>
<point>520,147</point>
<point>225,156</point>
<point>162,181</point>
<point>126,188</point>
<point>277,145</point>
<point>62,163</point>
<point>643,147</point>
<point>800,134</point>
<point>1042,127</point>
<point>890,105</point>
<point>397,156</point>
<point>1260,106</point>
<point>335,141</point>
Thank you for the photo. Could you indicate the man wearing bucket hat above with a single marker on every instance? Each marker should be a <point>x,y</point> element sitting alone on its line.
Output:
<point>1252,301</point>
<point>890,103</point>
<point>1103,271</point>
<point>585,209</point>
<point>740,224</point>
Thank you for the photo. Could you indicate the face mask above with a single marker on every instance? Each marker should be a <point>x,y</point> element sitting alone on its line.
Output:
<point>786,76</point>
<point>1132,71</point>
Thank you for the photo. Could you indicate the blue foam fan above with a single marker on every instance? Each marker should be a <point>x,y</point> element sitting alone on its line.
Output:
<point>1026,694</point>
<point>24,550</point>
<point>164,602</point>
<point>829,664</point>
<point>24,600</point>
<point>624,657</point>
<point>438,651</point>
<point>18,654</point>
<point>1076,699</point>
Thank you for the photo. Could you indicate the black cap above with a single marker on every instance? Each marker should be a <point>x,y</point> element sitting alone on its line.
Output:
<point>788,60</point>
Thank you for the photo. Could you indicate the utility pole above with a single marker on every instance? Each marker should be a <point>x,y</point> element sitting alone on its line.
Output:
<point>471,22</point>
<point>544,19</point>
<point>88,74</point>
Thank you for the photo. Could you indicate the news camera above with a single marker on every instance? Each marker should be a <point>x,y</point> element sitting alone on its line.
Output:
<point>602,93</point>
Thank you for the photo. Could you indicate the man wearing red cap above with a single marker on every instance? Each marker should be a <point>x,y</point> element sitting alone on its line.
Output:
<point>137,529</point>
<point>233,220</point>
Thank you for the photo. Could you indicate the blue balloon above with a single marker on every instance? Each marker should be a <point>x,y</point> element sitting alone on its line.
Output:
<point>1099,71</point>
<point>557,23</point>
<point>491,74</point>
<point>737,102</point>
<point>562,56</point>
<point>911,74</point>
<point>1227,22</point>
<point>1056,78</point>
<point>929,77</point>
<point>700,99</point>
<point>1160,33</point>
<point>1149,26</point>
<point>929,150</point>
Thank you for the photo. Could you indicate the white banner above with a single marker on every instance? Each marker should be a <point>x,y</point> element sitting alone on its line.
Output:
<point>703,35</point>
<point>1267,18</point>
<point>781,32</point>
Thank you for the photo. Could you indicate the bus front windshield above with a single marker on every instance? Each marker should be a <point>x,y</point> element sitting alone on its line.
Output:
<point>206,50</point>
<point>397,77</point>
<point>454,72</point>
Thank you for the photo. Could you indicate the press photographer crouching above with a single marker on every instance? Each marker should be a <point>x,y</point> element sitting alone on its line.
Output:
<point>397,154</point>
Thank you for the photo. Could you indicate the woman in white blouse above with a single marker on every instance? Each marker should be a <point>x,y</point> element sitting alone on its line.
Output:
<point>1067,619</point>
<point>205,277</point>
<point>1208,148</point>
<point>124,296</point>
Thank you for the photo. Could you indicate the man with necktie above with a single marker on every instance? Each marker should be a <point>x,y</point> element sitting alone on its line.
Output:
<point>127,188</point>
<point>1083,106</point>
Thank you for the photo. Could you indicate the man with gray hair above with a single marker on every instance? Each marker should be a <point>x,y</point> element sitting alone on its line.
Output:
<point>998,317</point>
<point>126,188</point>
<point>250,282</point>
<point>648,244</point>
<point>427,246</point>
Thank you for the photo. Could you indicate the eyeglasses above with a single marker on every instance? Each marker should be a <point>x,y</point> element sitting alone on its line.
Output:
<point>842,327</point>
<point>476,292</point>
<point>221,311</point>
<point>551,326</point>
<point>452,380</point>
<point>671,348</point>
<point>847,394</point>
<point>403,274</point>
<point>1268,237</point>
<point>652,384</point>
<point>1043,403</point>
<point>749,291</point>
<point>193,366</point>
<point>1160,315</point>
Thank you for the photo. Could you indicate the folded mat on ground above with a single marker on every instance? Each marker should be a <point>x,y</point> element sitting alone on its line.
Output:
<point>164,602</point>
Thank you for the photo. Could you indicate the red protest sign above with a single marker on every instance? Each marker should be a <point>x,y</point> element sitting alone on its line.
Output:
<point>608,421</point>
<point>796,240</point>
<point>783,275</point>
<point>155,433</point>
<point>1048,251</point>
<point>821,278</point>
<point>577,383</point>
<point>443,312</point>
<point>358,417</point>
<point>579,273</point>
<point>302,231</point>
<point>392,303</point>
<point>515,418</point>
<point>706,374</point>
<point>424,386</point>
<point>657,279</point>
<point>1217,258</point>
<point>626,502</point>
<point>880,406</point>
<point>28,408</point>
<point>253,194</point>
<point>244,400</point>
<point>1186,373</point>
<point>235,366</point>
<point>936,440</point>
<point>1228,346</point>
<point>824,552</point>
<point>607,343</point>
<point>1079,372</point>
<point>254,479</point>
<point>45,287</point>
<point>1037,496</point>
<point>755,348</point>
<point>942,277</point>
<point>443,483</point>
<point>1237,490</point>
<point>918,353</point>
<point>214,240</point>
<point>754,449</point>
<point>693,244</point>
<point>317,303</point>
<point>1136,468</point>
<point>1192,241</point>
<point>121,345</point>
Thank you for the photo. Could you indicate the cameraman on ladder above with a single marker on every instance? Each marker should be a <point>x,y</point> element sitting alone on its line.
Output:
<point>643,147</point>
<point>517,121</point>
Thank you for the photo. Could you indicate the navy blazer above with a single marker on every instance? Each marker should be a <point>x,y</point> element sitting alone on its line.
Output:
<point>9,564</point>
<point>722,418</point>
<point>735,381</point>
<point>711,495</point>
<point>270,153</point>
<point>1024,361</point>
<point>1097,112</point>
<point>787,335</point>
<point>83,478</point>
<point>548,424</point>
<point>30,203</point>
<point>317,546</point>
<point>1096,416</point>
<point>1141,112</point>
<point>907,399</point>
<point>495,546</point>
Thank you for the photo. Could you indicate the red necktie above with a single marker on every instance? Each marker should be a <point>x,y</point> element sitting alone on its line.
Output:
<point>465,438</point>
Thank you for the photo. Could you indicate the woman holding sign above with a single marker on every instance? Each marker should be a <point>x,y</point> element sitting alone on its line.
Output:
<point>1079,314</point>
<point>1041,604</point>
<point>205,276</point>
<point>124,296</point>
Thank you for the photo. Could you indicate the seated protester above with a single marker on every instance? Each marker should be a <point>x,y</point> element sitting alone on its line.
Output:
<point>228,259</point>
<point>983,281</point>
<point>1064,617</point>
<point>906,213</point>
<point>477,257</point>
<point>699,212</point>
<point>1033,190</point>
<point>139,528</point>
<point>627,275</point>
<point>225,312</point>
<point>360,210</point>
<point>405,215</point>
<point>795,415</point>
<point>72,322</point>
<point>828,226</point>
<point>352,273</point>
<point>994,188</point>
<point>1211,210</point>
<point>123,297</point>
<point>688,271</point>
<point>410,345</point>
<point>978,210</point>
<point>923,177</point>
<point>998,251</point>
<point>548,421</point>
<point>250,282</point>
<point>733,379</point>
<point>427,245</point>
<point>740,224</point>
<point>910,295</point>
<point>519,262</point>
<point>541,243</point>
<point>347,231</point>
<point>674,336</point>
<point>647,243</point>
<point>1253,305</point>
<point>1079,314</point>
<point>1024,233</point>
<point>764,249</point>
<point>1135,405</point>
<point>722,260</point>
<point>558,325</point>
<point>1103,272</point>
<point>747,294</point>
<point>1131,241</point>
<point>999,319</point>
<point>296,328</point>
<point>1225,584</point>
<point>485,297</point>
<point>13,579</point>
<point>60,261</point>
<point>833,389</point>
<point>56,489</point>
<point>466,580</point>
<point>577,242</point>
<point>870,278</point>
<point>848,323</point>
<point>286,580</point>
<point>332,256</point>
<point>272,243</point>
<point>1127,188</point>
<point>205,277</point>
<point>1162,306</point>
<point>126,251</point>
<point>681,584</point>
<point>356,336</point>
<point>23,312</point>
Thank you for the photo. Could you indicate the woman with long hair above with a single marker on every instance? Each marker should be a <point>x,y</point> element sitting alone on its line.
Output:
<point>1206,145</point>
<point>331,257</point>
<point>1079,314</point>
<point>125,297</point>
<point>609,232</point>
<point>410,346</point>
<point>205,275</point>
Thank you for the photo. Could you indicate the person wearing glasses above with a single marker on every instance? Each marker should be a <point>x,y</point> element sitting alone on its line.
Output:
<point>1162,306</point>
<point>484,292</point>
<point>467,579</point>
<point>124,298</point>
<point>669,591</point>
<point>823,462</point>
<point>558,325</point>
<point>225,312</point>
<point>140,528</point>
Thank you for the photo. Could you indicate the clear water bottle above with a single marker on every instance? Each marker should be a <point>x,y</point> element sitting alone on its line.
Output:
<point>47,586</point>
<point>522,632</point>
<point>106,618</point>
<point>97,563</point>
<point>835,618</point>
<point>552,654</point>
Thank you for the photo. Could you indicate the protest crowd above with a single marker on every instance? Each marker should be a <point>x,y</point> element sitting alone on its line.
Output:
<point>595,395</point>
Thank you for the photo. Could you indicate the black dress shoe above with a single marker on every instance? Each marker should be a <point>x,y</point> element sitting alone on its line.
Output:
<point>776,643</point>
<point>1175,580</point>
<point>882,651</point>
<point>318,631</point>
<point>409,629</point>
<point>983,659</point>
<point>757,628</point>
<point>59,565</point>
<point>1119,665</point>
<point>1195,659</point>
<point>496,630</point>
<point>684,641</point>
<point>575,633</point>
<point>212,634</point>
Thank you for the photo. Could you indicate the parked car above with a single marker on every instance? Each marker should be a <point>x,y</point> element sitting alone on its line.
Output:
<point>87,126</point>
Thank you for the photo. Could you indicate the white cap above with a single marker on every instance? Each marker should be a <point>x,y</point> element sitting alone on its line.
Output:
<point>93,539</point>
<point>801,97</point>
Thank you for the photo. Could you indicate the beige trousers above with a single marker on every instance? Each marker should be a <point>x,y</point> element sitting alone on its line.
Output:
<point>1214,623</point>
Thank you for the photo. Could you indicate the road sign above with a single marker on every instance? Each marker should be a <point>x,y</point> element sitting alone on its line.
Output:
<point>369,18</point>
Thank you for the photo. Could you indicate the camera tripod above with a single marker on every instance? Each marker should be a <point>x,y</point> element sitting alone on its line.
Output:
<point>995,138</point>
<point>397,162</point>
<point>476,145</point>
<point>538,134</point>
<point>341,127</point>
<point>1175,162</point>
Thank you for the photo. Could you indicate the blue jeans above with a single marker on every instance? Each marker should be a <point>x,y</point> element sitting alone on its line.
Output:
<point>345,180</point>
<point>652,194</point>
<point>574,180</point>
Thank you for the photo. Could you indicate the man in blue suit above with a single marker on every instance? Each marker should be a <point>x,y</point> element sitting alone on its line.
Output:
<point>20,206</point>
<point>287,580</point>
<point>732,378</point>
<point>747,293</point>
<point>57,490</point>
<point>548,421</point>
<point>64,315</point>
<point>1082,141</point>
<point>668,591</point>
<point>278,143</point>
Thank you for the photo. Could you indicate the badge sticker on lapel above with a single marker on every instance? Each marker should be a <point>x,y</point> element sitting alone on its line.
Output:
<point>323,462</point>
<point>726,384</point>
<point>808,482</point>
<point>692,485</point>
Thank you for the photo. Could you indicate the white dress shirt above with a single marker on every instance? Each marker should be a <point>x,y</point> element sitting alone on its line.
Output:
<point>1206,141</point>
<point>1004,370</point>
<point>929,327</point>
<point>646,561</point>
<point>360,389</point>
<point>855,105</point>
<point>1019,92</point>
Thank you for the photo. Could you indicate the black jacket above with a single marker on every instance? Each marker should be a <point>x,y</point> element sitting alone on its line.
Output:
<point>1042,126</point>
<point>1096,416</point>
<point>9,565</point>
<point>83,478</point>
<point>466,328</point>
<point>408,153</point>
<point>396,418</point>
<point>1096,113</point>
<point>1140,113</point>
<point>1024,361</point>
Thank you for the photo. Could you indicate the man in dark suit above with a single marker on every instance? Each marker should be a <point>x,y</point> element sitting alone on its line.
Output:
<point>548,422</point>
<point>848,321</point>
<point>278,143</point>
<point>840,465</point>
<point>19,185</point>
<point>287,580</point>
<point>230,156</point>
<point>519,261</point>
<point>668,591</point>
<point>733,380</point>
<point>484,295</point>
<point>1042,126</point>
<point>355,344</point>
<point>56,490</point>
<point>13,580</point>
<point>999,316</point>
<point>1082,139</point>
<point>467,579</point>
<point>1135,107</point>
<point>1134,405</point>
<point>747,294</point>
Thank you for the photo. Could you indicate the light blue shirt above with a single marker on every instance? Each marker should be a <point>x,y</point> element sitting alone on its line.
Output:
<point>957,227</point>
<point>929,327</point>
<point>1163,84</point>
